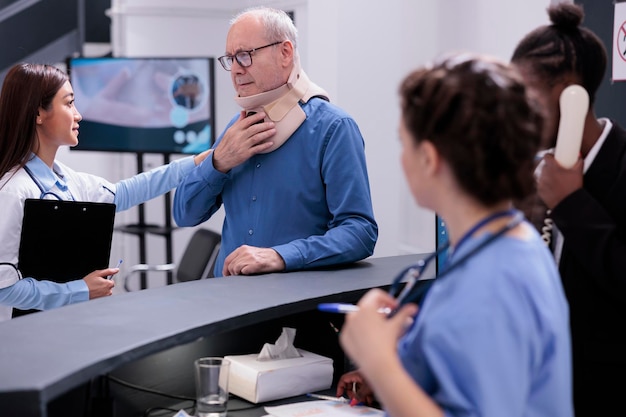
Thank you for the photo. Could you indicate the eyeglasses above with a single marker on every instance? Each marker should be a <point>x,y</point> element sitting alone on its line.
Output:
<point>243,58</point>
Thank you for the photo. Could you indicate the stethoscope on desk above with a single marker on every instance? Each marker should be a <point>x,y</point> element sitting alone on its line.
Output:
<point>412,293</point>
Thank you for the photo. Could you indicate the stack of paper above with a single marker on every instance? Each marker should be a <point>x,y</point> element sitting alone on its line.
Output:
<point>322,408</point>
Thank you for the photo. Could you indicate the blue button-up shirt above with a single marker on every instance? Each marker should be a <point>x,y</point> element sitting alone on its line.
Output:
<point>309,200</point>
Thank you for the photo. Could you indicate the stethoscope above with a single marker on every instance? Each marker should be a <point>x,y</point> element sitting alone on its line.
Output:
<point>415,294</point>
<point>44,193</point>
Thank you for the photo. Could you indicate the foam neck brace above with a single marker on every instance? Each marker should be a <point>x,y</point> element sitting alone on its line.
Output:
<point>281,104</point>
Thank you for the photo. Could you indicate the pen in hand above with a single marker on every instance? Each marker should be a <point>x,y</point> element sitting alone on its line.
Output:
<point>345,308</point>
<point>118,265</point>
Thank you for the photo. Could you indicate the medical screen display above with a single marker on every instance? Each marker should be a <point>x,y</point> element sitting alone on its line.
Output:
<point>144,105</point>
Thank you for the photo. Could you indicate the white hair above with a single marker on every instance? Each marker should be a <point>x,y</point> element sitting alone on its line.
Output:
<point>278,25</point>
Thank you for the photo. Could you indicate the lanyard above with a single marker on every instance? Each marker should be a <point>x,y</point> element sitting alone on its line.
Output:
<point>489,219</point>
<point>415,294</point>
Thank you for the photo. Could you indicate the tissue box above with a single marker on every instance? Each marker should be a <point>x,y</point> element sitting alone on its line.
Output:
<point>259,381</point>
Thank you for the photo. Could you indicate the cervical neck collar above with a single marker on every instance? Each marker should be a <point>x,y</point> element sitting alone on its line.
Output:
<point>281,104</point>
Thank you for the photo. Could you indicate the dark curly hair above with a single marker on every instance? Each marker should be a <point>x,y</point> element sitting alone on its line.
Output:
<point>564,48</point>
<point>475,111</point>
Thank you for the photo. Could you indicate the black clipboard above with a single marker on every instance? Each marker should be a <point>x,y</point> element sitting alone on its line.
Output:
<point>65,240</point>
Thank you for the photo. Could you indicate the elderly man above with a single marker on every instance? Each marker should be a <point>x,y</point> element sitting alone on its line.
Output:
<point>290,168</point>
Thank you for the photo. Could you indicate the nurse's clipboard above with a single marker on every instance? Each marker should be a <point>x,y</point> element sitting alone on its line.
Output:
<point>65,240</point>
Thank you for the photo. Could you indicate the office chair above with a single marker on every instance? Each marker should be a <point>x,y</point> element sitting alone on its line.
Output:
<point>197,261</point>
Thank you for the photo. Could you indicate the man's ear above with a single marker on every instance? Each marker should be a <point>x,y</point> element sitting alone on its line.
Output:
<point>287,53</point>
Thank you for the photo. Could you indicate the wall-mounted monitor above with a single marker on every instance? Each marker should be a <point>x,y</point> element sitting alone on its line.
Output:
<point>144,105</point>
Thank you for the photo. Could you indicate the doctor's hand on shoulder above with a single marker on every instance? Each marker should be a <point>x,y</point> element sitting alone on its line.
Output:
<point>198,159</point>
<point>98,284</point>
<point>247,260</point>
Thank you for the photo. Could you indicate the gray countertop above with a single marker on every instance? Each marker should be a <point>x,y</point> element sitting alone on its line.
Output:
<point>44,355</point>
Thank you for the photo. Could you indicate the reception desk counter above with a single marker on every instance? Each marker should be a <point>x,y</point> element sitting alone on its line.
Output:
<point>48,354</point>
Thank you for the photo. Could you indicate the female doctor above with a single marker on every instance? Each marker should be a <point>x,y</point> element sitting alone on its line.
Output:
<point>37,116</point>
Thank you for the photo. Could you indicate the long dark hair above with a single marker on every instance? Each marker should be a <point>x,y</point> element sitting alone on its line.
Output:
<point>26,88</point>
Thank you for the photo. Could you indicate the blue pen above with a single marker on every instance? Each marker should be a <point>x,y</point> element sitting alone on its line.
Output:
<point>118,265</point>
<point>342,308</point>
<point>337,308</point>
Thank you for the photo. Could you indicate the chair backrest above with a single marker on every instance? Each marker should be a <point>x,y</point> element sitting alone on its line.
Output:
<point>199,257</point>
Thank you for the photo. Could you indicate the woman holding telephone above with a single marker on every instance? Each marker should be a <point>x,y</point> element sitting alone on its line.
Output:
<point>587,204</point>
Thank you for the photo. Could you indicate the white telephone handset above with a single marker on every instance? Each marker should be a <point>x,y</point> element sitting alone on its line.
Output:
<point>574,104</point>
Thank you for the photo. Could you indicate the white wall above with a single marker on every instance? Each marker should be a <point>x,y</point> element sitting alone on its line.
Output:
<point>372,48</point>
<point>358,51</point>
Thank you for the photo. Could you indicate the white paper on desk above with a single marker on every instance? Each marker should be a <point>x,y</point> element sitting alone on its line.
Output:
<point>322,408</point>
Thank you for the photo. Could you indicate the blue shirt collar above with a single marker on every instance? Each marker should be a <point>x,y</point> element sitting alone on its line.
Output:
<point>47,177</point>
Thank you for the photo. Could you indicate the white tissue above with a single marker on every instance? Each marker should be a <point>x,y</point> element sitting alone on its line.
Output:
<point>282,349</point>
